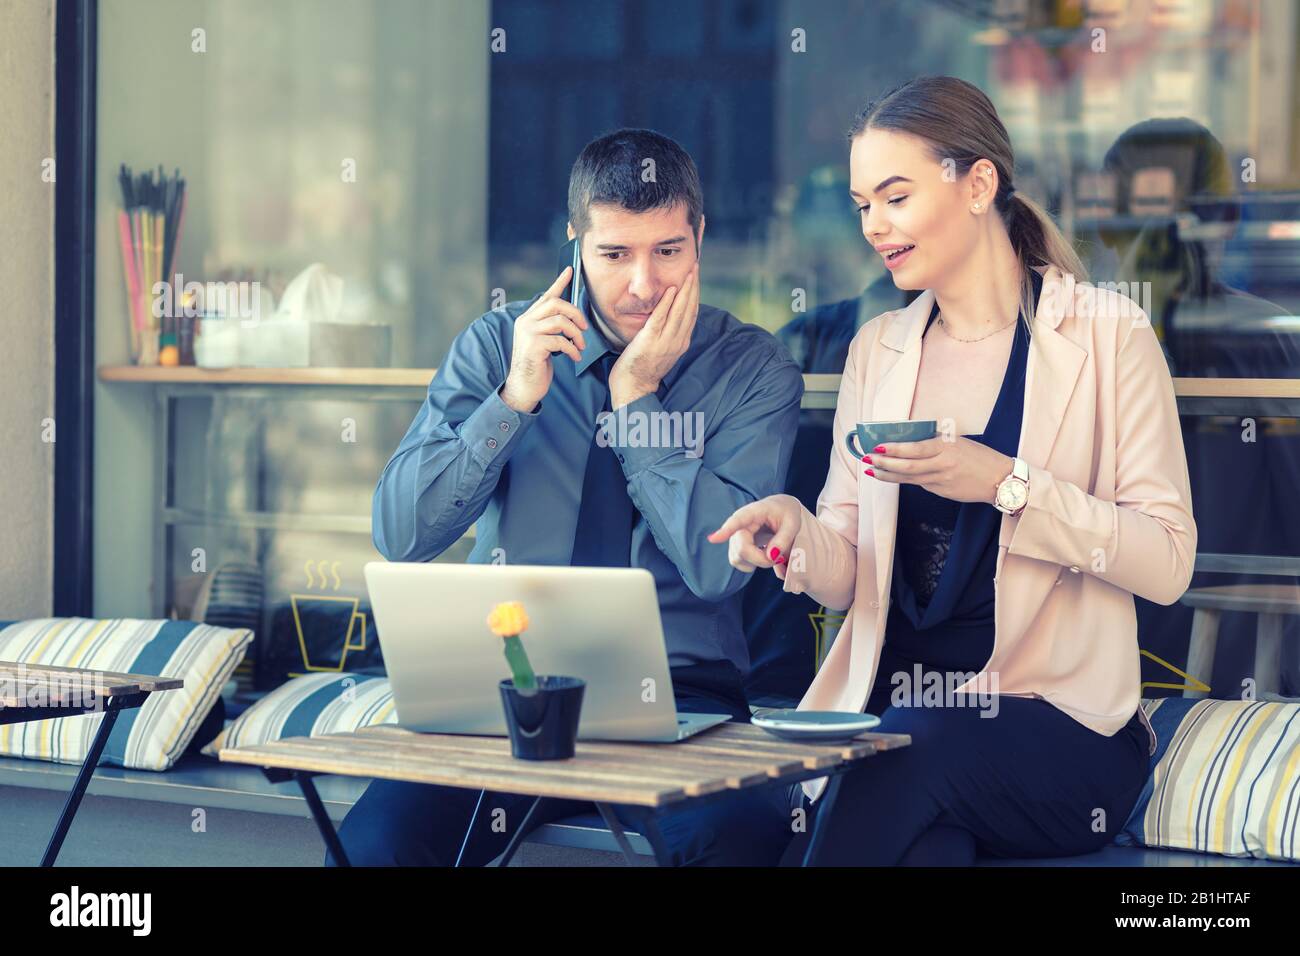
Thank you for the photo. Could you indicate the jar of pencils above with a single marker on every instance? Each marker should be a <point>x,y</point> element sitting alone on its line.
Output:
<point>149,229</point>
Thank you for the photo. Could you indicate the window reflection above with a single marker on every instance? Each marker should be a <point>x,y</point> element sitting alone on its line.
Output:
<point>1157,144</point>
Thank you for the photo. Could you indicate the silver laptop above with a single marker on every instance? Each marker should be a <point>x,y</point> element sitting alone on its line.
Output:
<point>600,624</point>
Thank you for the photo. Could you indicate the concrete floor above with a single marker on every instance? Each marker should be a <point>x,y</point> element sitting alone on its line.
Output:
<point>109,831</point>
<point>112,831</point>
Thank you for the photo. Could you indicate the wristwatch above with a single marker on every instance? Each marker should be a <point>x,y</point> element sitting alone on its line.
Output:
<point>1013,491</point>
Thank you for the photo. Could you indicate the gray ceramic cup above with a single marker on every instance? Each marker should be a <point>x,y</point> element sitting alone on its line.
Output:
<point>871,434</point>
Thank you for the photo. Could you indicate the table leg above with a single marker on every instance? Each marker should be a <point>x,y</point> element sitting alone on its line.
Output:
<point>620,836</point>
<point>1268,655</point>
<point>1200,649</point>
<point>473,819</point>
<point>111,709</point>
<point>513,845</point>
<point>520,832</point>
<point>323,821</point>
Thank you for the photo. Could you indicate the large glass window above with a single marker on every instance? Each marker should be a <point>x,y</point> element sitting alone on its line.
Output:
<point>387,170</point>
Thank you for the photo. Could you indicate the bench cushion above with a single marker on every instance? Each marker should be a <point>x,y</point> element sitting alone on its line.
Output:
<point>1225,779</point>
<point>150,737</point>
<point>310,706</point>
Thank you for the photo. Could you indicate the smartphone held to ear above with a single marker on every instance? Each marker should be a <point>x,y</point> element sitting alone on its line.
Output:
<point>571,257</point>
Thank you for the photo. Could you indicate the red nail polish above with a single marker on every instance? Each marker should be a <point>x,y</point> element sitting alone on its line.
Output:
<point>879,448</point>
<point>774,553</point>
<point>867,459</point>
<point>780,560</point>
<point>871,473</point>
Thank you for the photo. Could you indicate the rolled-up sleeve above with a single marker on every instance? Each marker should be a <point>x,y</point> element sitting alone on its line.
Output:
<point>444,470</point>
<point>685,492</point>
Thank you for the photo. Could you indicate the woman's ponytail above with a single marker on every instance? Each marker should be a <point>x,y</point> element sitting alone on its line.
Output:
<point>1038,242</point>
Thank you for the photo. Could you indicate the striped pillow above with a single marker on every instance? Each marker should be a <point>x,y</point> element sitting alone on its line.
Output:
<point>310,706</point>
<point>1225,779</point>
<point>150,737</point>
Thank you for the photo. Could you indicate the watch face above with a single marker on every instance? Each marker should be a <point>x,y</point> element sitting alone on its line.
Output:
<point>1012,495</point>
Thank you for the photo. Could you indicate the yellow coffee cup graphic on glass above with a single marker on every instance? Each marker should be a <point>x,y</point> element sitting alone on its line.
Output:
<point>318,607</point>
<point>354,637</point>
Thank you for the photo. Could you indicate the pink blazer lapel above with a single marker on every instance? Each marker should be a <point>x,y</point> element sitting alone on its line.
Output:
<point>1052,371</point>
<point>893,402</point>
<point>1050,377</point>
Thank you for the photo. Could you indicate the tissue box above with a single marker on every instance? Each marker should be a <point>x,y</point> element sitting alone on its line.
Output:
<point>349,345</point>
<point>290,343</point>
<point>217,343</point>
<point>274,343</point>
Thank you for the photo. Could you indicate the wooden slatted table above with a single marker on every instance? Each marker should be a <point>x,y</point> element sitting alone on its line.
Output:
<point>43,691</point>
<point>731,756</point>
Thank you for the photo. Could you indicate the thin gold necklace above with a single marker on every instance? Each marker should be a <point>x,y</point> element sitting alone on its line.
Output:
<point>981,338</point>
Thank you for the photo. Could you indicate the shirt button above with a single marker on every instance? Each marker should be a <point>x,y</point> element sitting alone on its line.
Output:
<point>505,426</point>
<point>1073,569</point>
<point>620,459</point>
<point>460,503</point>
<point>492,443</point>
<point>875,604</point>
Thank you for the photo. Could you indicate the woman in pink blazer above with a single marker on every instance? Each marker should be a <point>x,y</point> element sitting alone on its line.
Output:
<point>988,572</point>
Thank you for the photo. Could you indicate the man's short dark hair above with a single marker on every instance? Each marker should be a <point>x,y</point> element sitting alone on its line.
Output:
<point>613,169</point>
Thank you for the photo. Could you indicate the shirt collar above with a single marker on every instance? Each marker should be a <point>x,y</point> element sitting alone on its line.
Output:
<point>598,336</point>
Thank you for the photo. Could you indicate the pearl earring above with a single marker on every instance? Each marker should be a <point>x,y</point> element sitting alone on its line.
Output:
<point>976,206</point>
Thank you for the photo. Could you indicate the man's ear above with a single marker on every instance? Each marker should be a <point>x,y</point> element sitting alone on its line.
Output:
<point>699,237</point>
<point>572,234</point>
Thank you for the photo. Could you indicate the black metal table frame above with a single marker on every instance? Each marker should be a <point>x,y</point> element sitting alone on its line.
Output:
<point>110,707</point>
<point>648,826</point>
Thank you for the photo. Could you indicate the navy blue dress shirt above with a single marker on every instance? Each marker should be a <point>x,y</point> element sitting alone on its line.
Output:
<point>470,459</point>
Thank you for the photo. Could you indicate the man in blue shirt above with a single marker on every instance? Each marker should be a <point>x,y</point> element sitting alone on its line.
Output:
<point>699,414</point>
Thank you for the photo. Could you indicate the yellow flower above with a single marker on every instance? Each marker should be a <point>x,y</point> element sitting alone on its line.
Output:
<point>508,619</point>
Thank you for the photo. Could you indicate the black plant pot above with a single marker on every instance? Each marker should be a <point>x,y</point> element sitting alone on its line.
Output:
<point>543,725</point>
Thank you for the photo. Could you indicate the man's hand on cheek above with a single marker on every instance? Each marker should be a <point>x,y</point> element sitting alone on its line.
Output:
<point>660,343</point>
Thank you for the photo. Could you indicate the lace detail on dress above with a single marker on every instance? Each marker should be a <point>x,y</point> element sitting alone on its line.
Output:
<point>924,554</point>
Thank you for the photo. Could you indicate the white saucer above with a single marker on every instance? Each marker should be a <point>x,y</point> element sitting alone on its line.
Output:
<point>815,726</point>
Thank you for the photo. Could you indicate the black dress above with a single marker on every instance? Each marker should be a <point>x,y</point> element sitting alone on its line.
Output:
<point>941,600</point>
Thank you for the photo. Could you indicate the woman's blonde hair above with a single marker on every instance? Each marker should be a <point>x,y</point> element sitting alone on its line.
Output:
<point>960,124</point>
